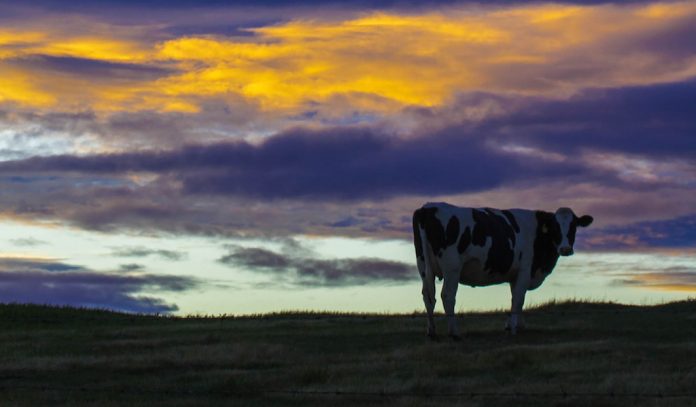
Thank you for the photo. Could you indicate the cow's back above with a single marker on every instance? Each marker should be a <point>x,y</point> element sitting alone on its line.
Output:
<point>486,245</point>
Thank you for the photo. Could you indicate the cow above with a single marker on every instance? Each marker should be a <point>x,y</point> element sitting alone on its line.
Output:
<point>485,246</point>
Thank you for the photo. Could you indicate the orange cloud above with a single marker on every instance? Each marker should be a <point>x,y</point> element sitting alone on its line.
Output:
<point>377,62</point>
<point>19,88</point>
<point>676,279</point>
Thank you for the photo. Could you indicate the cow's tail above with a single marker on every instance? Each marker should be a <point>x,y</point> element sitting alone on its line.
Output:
<point>424,254</point>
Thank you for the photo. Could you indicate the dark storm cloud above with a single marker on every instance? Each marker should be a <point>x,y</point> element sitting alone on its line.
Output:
<point>650,120</point>
<point>338,163</point>
<point>347,164</point>
<point>142,252</point>
<point>56,283</point>
<point>306,270</point>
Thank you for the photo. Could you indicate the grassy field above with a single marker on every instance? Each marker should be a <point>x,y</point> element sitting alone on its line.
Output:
<point>572,354</point>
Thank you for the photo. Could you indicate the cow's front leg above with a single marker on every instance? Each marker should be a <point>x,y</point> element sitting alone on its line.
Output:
<point>449,297</point>
<point>516,319</point>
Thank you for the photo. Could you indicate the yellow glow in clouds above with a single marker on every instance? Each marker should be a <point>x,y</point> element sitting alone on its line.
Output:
<point>377,62</point>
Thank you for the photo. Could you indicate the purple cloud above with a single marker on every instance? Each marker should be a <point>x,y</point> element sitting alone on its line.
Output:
<point>143,252</point>
<point>679,232</point>
<point>131,267</point>
<point>110,8</point>
<point>56,283</point>
<point>96,70</point>
<point>653,120</point>
<point>309,271</point>
<point>334,164</point>
<point>634,145</point>
<point>351,163</point>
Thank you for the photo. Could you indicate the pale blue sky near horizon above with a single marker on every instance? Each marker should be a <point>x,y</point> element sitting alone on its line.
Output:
<point>239,290</point>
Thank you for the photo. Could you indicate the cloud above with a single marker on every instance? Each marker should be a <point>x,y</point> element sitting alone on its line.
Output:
<point>36,264</point>
<point>140,86</point>
<point>306,270</point>
<point>345,222</point>
<point>538,49</point>
<point>645,120</point>
<point>622,135</point>
<point>314,61</point>
<point>27,242</point>
<point>141,252</point>
<point>616,154</point>
<point>675,233</point>
<point>198,4</point>
<point>94,69</point>
<point>678,278</point>
<point>131,267</point>
<point>55,283</point>
<point>35,132</point>
<point>338,163</point>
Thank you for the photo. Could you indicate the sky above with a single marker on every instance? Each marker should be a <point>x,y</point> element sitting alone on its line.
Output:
<point>211,157</point>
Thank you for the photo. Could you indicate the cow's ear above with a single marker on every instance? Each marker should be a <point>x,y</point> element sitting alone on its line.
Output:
<point>585,220</point>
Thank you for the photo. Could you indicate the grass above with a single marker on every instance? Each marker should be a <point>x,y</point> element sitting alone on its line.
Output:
<point>573,354</point>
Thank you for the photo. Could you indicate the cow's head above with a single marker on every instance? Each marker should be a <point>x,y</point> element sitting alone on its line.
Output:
<point>563,229</point>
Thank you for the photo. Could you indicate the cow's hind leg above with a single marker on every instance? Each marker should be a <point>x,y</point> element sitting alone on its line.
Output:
<point>428,296</point>
<point>449,297</point>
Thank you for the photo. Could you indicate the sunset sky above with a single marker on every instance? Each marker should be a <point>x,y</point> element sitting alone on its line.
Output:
<point>195,157</point>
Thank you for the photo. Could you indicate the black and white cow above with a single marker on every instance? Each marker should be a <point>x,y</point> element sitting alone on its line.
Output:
<point>483,246</point>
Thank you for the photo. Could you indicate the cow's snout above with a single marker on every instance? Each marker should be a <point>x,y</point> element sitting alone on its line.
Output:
<point>565,251</point>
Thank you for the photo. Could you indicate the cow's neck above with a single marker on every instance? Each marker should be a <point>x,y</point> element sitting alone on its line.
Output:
<point>545,252</point>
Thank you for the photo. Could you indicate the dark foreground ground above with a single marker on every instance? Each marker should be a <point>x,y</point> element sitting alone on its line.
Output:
<point>573,354</point>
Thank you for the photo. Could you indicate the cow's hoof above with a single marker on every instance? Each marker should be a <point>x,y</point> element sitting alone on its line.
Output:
<point>433,337</point>
<point>456,338</point>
